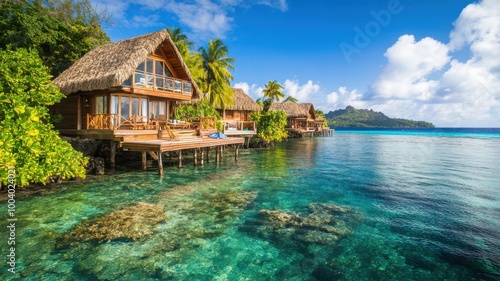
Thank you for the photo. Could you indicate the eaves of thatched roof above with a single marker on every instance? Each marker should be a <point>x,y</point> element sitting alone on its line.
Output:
<point>293,109</point>
<point>242,101</point>
<point>110,65</point>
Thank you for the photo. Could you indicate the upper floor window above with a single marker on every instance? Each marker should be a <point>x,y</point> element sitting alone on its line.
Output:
<point>154,73</point>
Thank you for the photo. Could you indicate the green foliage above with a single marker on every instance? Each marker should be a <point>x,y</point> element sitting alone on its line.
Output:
<point>321,114</point>
<point>290,99</point>
<point>270,125</point>
<point>61,31</point>
<point>363,118</point>
<point>27,141</point>
<point>216,66</point>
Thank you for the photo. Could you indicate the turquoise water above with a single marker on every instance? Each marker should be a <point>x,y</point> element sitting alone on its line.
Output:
<point>423,206</point>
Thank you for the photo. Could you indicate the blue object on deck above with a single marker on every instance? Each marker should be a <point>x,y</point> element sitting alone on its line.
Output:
<point>217,136</point>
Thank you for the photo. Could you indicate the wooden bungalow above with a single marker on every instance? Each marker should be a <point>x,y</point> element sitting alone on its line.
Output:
<point>128,85</point>
<point>236,118</point>
<point>301,116</point>
<point>126,92</point>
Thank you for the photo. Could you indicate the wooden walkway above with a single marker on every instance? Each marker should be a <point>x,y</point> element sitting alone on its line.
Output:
<point>155,148</point>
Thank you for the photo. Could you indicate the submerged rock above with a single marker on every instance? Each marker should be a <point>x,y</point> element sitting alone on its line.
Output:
<point>326,224</point>
<point>95,166</point>
<point>131,223</point>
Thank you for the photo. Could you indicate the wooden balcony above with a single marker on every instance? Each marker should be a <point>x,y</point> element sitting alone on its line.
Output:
<point>160,83</point>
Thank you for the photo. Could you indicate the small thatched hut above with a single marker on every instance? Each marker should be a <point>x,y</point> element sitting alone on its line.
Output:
<point>301,116</point>
<point>134,81</point>
<point>243,106</point>
<point>236,118</point>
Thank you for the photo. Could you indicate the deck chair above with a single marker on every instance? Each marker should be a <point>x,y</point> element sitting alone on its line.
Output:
<point>171,133</point>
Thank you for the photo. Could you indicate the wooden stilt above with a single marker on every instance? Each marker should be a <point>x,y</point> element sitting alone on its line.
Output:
<point>112,155</point>
<point>195,154</point>
<point>221,151</point>
<point>236,153</point>
<point>208,154</point>
<point>144,164</point>
<point>180,158</point>
<point>217,154</point>
<point>201,156</point>
<point>160,164</point>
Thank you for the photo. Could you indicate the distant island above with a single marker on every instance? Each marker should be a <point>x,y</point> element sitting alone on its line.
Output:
<point>364,118</point>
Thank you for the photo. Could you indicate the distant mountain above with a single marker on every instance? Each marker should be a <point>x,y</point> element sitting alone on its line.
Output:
<point>364,118</point>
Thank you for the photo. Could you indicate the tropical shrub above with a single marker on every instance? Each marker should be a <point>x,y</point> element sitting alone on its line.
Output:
<point>270,125</point>
<point>27,140</point>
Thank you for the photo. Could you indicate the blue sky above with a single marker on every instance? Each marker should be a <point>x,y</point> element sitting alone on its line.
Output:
<point>437,61</point>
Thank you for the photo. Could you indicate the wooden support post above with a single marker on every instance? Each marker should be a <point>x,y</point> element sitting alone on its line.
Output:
<point>180,158</point>
<point>236,153</point>
<point>112,155</point>
<point>201,156</point>
<point>221,151</point>
<point>217,155</point>
<point>208,154</point>
<point>144,164</point>
<point>160,164</point>
<point>195,155</point>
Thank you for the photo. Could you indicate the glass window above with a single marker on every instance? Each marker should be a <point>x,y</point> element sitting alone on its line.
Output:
<point>158,67</point>
<point>135,106</point>
<point>167,71</point>
<point>125,107</point>
<point>128,82</point>
<point>162,108</point>
<point>101,104</point>
<point>144,110</point>
<point>114,104</point>
<point>149,65</point>
<point>141,67</point>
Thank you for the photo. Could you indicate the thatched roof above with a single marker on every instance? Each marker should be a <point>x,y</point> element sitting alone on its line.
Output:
<point>242,101</point>
<point>293,109</point>
<point>110,65</point>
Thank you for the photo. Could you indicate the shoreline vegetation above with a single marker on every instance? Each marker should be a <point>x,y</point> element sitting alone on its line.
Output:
<point>351,117</point>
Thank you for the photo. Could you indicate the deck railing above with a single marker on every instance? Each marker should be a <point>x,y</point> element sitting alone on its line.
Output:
<point>102,121</point>
<point>204,123</point>
<point>231,126</point>
<point>159,83</point>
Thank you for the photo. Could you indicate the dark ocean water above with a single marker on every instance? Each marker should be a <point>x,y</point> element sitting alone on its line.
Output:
<point>423,205</point>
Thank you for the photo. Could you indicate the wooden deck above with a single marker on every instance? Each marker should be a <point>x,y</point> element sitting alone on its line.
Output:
<point>156,147</point>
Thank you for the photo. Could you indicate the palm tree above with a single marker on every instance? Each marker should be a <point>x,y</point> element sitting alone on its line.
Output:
<point>191,58</point>
<point>273,91</point>
<point>217,65</point>
<point>180,39</point>
<point>290,99</point>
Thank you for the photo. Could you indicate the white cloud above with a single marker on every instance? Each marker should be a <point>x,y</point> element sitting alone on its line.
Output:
<point>204,18</point>
<point>409,65</point>
<point>426,80</point>
<point>342,98</point>
<point>300,92</point>
<point>254,91</point>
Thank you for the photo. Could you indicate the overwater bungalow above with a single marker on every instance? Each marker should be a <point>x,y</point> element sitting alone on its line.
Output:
<point>302,119</point>
<point>128,85</point>
<point>301,116</point>
<point>127,92</point>
<point>236,118</point>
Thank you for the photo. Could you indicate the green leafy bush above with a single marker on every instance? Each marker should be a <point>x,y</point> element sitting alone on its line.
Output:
<point>270,125</point>
<point>27,140</point>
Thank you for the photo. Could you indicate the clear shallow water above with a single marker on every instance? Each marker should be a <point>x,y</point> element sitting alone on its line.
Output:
<point>427,207</point>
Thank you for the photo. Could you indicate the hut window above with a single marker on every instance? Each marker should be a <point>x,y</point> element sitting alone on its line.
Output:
<point>135,106</point>
<point>152,72</point>
<point>144,109</point>
<point>101,104</point>
<point>114,104</point>
<point>125,107</point>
